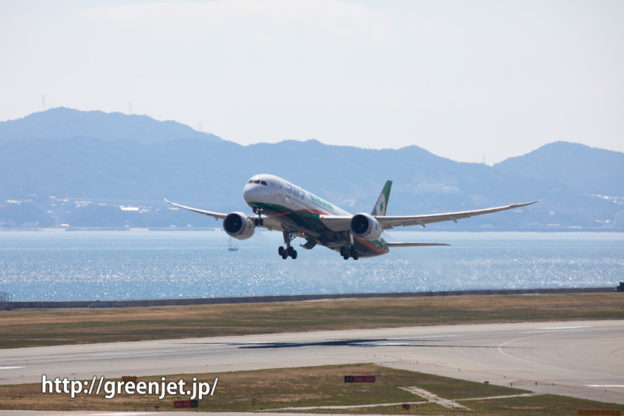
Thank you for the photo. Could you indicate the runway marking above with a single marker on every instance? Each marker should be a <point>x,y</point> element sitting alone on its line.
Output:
<point>9,368</point>
<point>337,407</point>
<point>617,386</point>
<point>434,398</point>
<point>545,330</point>
<point>431,398</point>
<point>110,414</point>
<point>565,327</point>
<point>535,334</point>
<point>119,414</point>
<point>509,396</point>
<point>389,344</point>
<point>504,344</point>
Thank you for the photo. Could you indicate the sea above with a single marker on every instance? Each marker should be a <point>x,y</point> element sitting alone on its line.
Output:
<point>125,265</point>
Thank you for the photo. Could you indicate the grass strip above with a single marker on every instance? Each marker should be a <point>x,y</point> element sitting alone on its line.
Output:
<point>28,327</point>
<point>314,386</point>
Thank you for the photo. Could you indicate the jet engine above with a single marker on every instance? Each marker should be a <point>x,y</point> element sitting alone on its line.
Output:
<point>237,225</point>
<point>365,226</point>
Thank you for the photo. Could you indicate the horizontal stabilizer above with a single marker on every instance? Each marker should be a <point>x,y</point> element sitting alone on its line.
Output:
<point>415,244</point>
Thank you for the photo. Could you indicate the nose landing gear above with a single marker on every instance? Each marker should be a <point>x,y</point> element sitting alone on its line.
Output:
<point>258,222</point>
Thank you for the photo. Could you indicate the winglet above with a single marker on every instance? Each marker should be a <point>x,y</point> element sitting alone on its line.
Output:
<point>523,204</point>
<point>382,201</point>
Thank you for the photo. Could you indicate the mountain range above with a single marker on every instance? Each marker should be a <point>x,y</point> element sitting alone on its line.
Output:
<point>89,169</point>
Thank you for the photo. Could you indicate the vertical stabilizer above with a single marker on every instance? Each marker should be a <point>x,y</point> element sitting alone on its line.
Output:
<point>382,201</point>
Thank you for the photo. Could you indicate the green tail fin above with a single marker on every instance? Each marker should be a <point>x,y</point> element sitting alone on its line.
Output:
<point>382,201</point>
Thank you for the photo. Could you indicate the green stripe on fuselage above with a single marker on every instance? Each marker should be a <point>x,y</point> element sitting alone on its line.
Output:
<point>308,221</point>
<point>305,219</point>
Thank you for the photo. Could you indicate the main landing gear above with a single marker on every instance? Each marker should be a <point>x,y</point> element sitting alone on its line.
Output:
<point>288,250</point>
<point>347,252</point>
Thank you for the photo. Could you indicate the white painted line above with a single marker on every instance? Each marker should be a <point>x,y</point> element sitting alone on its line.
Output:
<point>387,344</point>
<point>564,327</point>
<point>9,368</point>
<point>116,414</point>
<point>545,330</point>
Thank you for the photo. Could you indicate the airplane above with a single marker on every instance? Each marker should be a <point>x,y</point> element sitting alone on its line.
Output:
<point>282,206</point>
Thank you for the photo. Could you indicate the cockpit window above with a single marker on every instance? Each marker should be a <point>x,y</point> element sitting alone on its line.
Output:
<point>263,182</point>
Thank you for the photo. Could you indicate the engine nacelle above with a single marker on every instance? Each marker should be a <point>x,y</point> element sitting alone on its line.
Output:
<point>365,226</point>
<point>237,225</point>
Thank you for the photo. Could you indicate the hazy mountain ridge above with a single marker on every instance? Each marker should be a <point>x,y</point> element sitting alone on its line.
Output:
<point>64,123</point>
<point>93,169</point>
<point>579,167</point>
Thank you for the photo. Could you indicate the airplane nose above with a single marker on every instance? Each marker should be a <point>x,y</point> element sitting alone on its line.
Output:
<point>252,193</point>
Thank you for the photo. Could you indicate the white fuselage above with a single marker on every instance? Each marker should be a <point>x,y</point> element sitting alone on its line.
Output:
<point>274,191</point>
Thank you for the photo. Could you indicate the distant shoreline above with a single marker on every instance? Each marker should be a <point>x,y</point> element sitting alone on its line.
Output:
<point>284,298</point>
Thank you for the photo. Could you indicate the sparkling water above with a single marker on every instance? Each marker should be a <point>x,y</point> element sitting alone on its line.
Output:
<point>103,265</point>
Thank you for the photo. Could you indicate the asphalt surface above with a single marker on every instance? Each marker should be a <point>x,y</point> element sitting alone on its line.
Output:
<point>583,359</point>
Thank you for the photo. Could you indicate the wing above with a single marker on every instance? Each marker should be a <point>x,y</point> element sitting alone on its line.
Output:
<point>387,222</point>
<point>215,215</point>
<point>339,223</point>
<point>269,223</point>
<point>415,244</point>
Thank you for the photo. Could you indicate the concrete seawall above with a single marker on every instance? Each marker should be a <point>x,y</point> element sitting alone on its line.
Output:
<point>283,298</point>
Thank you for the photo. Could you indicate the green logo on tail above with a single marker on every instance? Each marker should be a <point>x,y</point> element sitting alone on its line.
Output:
<point>382,202</point>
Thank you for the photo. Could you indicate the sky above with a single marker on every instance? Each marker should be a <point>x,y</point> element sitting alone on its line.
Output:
<point>474,81</point>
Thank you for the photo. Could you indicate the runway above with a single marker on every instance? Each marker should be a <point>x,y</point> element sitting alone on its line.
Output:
<point>583,359</point>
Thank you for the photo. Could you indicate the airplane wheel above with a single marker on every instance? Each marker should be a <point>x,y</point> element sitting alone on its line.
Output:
<point>280,250</point>
<point>284,254</point>
<point>354,254</point>
<point>343,252</point>
<point>292,253</point>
